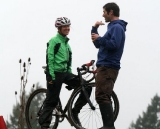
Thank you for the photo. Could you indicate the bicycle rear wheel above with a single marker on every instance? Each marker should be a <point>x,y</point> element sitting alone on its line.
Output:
<point>90,119</point>
<point>33,109</point>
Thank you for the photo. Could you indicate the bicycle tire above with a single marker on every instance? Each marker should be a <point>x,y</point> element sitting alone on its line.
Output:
<point>35,101</point>
<point>88,121</point>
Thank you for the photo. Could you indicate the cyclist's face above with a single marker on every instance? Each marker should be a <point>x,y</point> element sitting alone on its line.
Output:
<point>64,30</point>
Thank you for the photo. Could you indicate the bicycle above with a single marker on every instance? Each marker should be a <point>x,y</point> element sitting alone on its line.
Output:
<point>89,115</point>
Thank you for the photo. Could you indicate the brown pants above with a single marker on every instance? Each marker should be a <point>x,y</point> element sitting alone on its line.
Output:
<point>105,80</point>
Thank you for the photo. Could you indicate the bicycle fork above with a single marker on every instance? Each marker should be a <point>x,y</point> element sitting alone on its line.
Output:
<point>87,98</point>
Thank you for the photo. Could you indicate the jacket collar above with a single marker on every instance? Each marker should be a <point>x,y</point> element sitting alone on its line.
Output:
<point>63,38</point>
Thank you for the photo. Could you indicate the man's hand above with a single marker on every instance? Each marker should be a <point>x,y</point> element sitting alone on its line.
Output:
<point>94,36</point>
<point>98,23</point>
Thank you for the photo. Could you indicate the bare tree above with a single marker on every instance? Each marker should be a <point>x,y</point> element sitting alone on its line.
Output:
<point>23,78</point>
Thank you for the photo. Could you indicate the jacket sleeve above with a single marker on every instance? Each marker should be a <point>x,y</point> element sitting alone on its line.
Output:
<point>94,30</point>
<point>70,60</point>
<point>50,53</point>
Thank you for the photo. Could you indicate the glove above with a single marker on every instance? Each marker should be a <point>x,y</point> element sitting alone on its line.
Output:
<point>51,82</point>
<point>69,87</point>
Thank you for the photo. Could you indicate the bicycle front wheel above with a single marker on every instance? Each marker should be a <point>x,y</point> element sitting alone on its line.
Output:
<point>89,118</point>
<point>33,109</point>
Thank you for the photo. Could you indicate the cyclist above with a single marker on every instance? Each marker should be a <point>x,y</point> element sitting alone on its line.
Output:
<point>108,64</point>
<point>58,71</point>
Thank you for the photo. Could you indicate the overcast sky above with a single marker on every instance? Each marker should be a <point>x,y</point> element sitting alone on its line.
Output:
<point>26,26</point>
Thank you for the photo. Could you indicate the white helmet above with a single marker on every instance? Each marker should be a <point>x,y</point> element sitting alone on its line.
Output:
<point>62,21</point>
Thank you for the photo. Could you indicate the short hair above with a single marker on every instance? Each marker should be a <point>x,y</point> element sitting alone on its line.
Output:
<point>112,6</point>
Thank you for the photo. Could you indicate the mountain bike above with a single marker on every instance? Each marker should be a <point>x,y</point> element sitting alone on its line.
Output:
<point>89,115</point>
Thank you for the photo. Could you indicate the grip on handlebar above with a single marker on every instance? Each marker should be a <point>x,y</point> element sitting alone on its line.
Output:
<point>89,64</point>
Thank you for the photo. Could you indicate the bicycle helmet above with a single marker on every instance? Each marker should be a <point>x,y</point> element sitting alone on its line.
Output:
<point>62,21</point>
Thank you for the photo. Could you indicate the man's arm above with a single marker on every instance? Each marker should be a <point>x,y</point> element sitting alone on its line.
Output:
<point>94,33</point>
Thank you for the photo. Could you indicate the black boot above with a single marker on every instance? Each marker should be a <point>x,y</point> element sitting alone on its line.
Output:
<point>45,117</point>
<point>107,116</point>
<point>75,115</point>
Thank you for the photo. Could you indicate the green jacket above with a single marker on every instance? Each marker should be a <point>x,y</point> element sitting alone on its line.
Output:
<point>62,59</point>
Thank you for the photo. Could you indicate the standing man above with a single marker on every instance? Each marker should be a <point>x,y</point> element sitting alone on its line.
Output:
<point>110,47</point>
<point>58,71</point>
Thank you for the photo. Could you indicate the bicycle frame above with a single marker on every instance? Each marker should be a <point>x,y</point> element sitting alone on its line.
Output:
<point>62,112</point>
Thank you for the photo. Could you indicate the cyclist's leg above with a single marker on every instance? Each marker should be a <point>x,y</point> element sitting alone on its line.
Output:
<point>81,101</point>
<point>73,82</point>
<point>52,98</point>
<point>105,80</point>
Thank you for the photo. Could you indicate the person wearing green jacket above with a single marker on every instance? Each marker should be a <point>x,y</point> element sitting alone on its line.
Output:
<point>58,71</point>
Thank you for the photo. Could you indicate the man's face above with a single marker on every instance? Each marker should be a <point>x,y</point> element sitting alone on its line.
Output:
<point>65,30</point>
<point>107,16</point>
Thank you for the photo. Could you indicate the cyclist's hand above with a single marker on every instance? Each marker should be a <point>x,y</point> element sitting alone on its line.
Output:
<point>51,82</point>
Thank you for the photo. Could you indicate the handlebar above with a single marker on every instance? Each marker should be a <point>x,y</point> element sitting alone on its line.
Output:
<point>85,69</point>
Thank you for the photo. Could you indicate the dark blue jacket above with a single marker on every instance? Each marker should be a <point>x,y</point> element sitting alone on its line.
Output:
<point>111,44</point>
